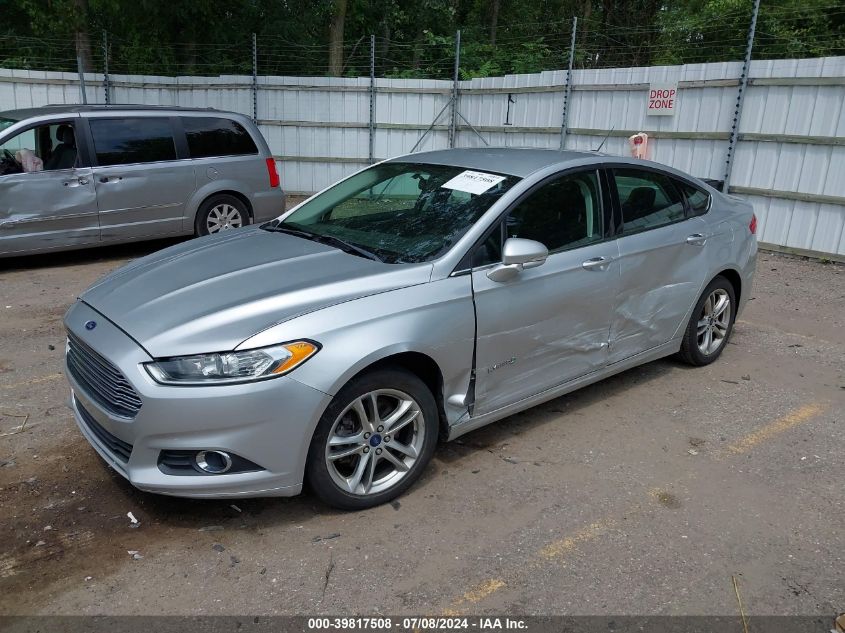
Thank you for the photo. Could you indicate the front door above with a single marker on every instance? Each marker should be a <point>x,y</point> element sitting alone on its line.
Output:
<point>549,324</point>
<point>663,262</point>
<point>142,187</point>
<point>47,200</point>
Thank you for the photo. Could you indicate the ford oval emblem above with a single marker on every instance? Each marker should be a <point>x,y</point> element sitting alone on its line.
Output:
<point>90,325</point>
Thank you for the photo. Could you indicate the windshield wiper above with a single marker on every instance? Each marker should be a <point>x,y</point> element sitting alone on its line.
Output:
<point>330,240</point>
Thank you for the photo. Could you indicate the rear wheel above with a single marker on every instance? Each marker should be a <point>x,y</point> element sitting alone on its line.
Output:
<point>373,441</point>
<point>710,324</point>
<point>221,213</point>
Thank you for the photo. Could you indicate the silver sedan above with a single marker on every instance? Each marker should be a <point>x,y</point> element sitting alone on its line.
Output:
<point>416,300</point>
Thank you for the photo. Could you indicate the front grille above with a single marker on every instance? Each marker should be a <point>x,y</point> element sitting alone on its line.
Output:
<point>101,380</point>
<point>117,447</point>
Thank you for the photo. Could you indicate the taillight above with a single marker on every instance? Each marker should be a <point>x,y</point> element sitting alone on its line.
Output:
<point>272,173</point>
<point>752,226</point>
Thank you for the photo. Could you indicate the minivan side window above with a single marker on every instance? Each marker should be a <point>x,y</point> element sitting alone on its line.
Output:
<point>47,147</point>
<point>649,199</point>
<point>697,200</point>
<point>215,136</point>
<point>132,140</point>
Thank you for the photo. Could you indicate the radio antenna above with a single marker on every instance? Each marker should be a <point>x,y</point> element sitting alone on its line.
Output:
<point>598,149</point>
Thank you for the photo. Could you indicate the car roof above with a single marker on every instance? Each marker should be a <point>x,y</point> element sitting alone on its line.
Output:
<point>523,162</point>
<point>502,160</point>
<point>75,108</point>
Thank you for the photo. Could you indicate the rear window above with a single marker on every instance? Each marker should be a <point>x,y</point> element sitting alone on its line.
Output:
<point>214,136</point>
<point>133,140</point>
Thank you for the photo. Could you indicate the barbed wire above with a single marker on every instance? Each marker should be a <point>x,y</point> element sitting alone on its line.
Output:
<point>784,31</point>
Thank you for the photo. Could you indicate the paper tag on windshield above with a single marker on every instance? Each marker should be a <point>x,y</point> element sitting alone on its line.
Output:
<point>476,182</point>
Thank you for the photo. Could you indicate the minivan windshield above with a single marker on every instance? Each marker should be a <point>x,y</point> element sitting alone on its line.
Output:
<point>4,123</point>
<point>398,212</point>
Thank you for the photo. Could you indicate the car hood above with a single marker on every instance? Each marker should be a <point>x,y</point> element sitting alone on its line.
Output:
<point>210,294</point>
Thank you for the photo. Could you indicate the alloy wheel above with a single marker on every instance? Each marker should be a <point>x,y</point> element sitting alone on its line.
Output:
<point>375,441</point>
<point>714,321</point>
<point>223,217</point>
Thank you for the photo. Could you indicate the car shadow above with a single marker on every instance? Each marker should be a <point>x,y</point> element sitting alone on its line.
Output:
<point>88,255</point>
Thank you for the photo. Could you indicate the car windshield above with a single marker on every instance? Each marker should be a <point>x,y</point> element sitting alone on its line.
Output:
<point>398,212</point>
<point>4,123</point>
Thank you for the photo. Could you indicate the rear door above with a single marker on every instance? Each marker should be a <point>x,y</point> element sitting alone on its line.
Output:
<point>142,175</point>
<point>549,324</point>
<point>47,197</point>
<point>662,260</point>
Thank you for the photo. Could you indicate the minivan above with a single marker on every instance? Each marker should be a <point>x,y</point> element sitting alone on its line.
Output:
<point>74,176</point>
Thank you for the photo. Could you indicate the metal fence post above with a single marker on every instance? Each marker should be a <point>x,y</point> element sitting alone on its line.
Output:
<point>106,87</point>
<point>81,79</point>
<point>453,125</point>
<point>254,78</point>
<point>372,98</point>
<point>740,96</point>
<point>567,93</point>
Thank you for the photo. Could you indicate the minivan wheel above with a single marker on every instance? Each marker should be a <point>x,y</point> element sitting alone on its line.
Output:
<point>373,441</point>
<point>710,324</point>
<point>221,213</point>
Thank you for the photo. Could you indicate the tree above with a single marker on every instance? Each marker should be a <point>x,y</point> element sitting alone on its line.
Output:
<point>336,29</point>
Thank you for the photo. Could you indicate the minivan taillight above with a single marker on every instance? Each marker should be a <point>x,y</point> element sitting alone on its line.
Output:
<point>272,173</point>
<point>752,226</point>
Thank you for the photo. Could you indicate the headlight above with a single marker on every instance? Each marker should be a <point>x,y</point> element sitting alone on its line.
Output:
<point>232,367</point>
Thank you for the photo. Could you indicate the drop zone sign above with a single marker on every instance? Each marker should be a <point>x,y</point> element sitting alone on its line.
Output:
<point>662,99</point>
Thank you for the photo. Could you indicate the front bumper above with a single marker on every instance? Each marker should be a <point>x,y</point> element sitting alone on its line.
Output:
<point>269,422</point>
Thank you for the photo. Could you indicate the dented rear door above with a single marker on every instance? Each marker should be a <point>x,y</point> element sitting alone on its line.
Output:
<point>663,261</point>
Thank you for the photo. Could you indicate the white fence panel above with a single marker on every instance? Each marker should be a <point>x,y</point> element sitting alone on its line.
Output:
<point>788,163</point>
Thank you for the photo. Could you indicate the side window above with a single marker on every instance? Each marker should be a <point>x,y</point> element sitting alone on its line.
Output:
<point>43,148</point>
<point>133,140</point>
<point>564,213</point>
<point>215,136</point>
<point>648,199</point>
<point>698,200</point>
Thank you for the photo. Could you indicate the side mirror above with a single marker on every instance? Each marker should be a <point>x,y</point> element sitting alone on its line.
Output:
<point>517,255</point>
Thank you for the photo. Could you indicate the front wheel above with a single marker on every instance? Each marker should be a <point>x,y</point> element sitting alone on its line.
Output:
<point>373,441</point>
<point>710,324</point>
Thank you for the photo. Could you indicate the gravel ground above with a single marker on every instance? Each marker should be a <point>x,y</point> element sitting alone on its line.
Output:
<point>643,494</point>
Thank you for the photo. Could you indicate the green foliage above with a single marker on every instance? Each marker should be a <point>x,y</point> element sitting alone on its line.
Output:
<point>414,38</point>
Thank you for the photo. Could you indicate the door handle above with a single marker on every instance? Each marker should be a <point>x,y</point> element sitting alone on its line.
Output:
<point>696,239</point>
<point>597,263</point>
<point>76,183</point>
<point>107,179</point>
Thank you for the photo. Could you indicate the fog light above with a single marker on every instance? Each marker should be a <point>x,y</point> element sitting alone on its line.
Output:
<point>214,462</point>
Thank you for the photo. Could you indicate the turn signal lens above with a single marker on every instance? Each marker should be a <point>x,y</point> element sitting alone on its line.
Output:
<point>299,353</point>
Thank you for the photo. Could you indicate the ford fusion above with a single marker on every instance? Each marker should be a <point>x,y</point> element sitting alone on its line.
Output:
<point>416,300</point>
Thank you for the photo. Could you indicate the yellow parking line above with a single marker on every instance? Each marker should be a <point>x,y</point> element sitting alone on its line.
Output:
<point>563,546</point>
<point>793,419</point>
<point>31,381</point>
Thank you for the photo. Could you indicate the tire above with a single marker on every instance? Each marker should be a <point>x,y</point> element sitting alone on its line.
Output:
<point>696,348</point>
<point>345,482</point>
<point>219,213</point>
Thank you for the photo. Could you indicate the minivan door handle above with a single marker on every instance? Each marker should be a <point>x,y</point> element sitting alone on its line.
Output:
<point>597,263</point>
<point>696,239</point>
<point>76,182</point>
<point>107,179</point>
